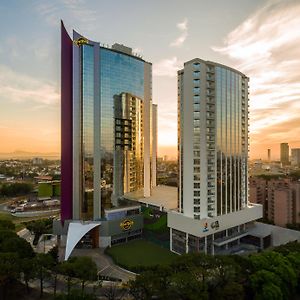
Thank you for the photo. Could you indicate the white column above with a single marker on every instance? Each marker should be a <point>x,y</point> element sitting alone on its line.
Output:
<point>147,134</point>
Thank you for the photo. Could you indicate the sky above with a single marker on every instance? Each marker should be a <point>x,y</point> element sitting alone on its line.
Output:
<point>260,38</point>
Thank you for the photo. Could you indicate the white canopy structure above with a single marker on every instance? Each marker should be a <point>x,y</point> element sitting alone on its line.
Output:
<point>76,232</point>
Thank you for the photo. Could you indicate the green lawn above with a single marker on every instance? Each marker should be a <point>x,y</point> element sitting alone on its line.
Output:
<point>18,221</point>
<point>160,225</point>
<point>140,253</point>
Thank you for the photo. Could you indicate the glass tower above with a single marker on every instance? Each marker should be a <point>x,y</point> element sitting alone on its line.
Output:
<point>107,97</point>
<point>213,131</point>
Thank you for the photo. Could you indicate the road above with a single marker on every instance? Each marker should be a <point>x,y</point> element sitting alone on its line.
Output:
<point>105,264</point>
<point>101,289</point>
<point>26,235</point>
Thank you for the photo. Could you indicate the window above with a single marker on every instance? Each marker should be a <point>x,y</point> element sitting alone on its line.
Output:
<point>196,90</point>
<point>196,99</point>
<point>196,153</point>
<point>196,115</point>
<point>196,161</point>
<point>197,185</point>
<point>196,82</point>
<point>197,201</point>
<point>197,107</point>
<point>196,66</point>
<point>197,177</point>
<point>196,74</point>
<point>196,123</point>
<point>196,209</point>
<point>196,169</point>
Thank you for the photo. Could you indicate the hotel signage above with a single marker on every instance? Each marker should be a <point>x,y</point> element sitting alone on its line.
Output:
<point>214,225</point>
<point>126,224</point>
<point>81,41</point>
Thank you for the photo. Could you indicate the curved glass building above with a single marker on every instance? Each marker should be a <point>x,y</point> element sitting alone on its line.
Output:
<point>107,136</point>
<point>213,207</point>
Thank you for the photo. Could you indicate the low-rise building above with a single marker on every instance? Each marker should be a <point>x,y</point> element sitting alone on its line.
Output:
<point>279,197</point>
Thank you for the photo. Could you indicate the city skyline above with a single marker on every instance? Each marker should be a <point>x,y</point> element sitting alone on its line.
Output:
<point>29,63</point>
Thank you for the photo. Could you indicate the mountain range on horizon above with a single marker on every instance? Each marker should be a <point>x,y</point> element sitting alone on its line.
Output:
<point>22,153</point>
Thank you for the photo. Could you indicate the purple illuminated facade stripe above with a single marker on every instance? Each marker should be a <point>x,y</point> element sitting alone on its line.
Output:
<point>66,125</point>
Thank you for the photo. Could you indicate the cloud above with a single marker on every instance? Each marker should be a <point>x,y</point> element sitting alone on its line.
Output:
<point>16,87</point>
<point>167,67</point>
<point>183,28</point>
<point>52,11</point>
<point>266,48</point>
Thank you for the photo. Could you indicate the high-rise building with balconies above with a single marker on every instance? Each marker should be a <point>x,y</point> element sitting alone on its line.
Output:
<point>284,153</point>
<point>213,207</point>
<point>295,157</point>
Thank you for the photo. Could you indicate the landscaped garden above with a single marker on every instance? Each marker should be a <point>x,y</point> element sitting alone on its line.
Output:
<point>139,253</point>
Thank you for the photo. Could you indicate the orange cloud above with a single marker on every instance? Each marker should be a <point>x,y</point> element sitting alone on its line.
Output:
<point>266,47</point>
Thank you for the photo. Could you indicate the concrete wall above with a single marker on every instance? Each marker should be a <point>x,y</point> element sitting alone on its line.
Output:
<point>109,228</point>
<point>197,227</point>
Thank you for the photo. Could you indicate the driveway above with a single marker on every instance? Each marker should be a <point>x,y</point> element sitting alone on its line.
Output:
<point>105,264</point>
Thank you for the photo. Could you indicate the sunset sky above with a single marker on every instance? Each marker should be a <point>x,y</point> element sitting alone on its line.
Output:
<point>258,37</point>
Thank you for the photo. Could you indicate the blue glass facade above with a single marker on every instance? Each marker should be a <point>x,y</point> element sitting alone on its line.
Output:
<point>87,65</point>
<point>119,73</point>
<point>231,139</point>
<point>103,76</point>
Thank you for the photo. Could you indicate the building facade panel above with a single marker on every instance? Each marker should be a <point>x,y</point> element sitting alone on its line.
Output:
<point>99,79</point>
<point>213,206</point>
<point>66,125</point>
<point>213,130</point>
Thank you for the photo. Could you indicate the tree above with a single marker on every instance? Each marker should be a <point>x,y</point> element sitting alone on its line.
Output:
<point>7,225</point>
<point>6,234</point>
<point>54,253</point>
<point>15,189</point>
<point>288,248</point>
<point>294,259</point>
<point>186,285</point>
<point>43,262</point>
<point>280,266</point>
<point>76,295</point>
<point>27,267</point>
<point>143,286</point>
<point>19,246</point>
<point>85,269</point>
<point>114,291</point>
<point>9,270</point>
<point>266,286</point>
<point>67,269</point>
<point>55,268</point>
<point>38,228</point>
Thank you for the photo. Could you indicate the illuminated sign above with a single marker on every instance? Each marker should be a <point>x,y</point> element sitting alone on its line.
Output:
<point>81,41</point>
<point>126,224</point>
<point>205,229</point>
<point>215,225</point>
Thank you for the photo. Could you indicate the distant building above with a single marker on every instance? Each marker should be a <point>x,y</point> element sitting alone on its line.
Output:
<point>37,161</point>
<point>269,155</point>
<point>284,153</point>
<point>279,197</point>
<point>258,193</point>
<point>49,189</point>
<point>295,157</point>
